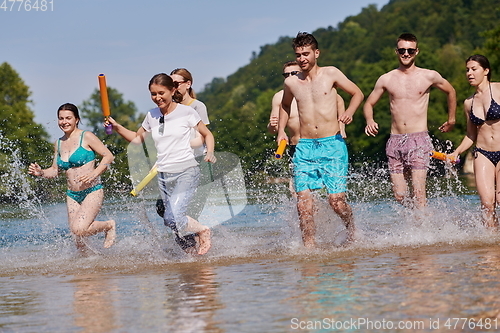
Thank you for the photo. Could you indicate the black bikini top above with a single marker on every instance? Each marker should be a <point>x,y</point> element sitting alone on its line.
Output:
<point>492,114</point>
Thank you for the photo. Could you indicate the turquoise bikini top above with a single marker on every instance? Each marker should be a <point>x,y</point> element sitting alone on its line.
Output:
<point>80,156</point>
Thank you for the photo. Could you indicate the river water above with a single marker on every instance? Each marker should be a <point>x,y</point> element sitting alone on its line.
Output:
<point>433,272</point>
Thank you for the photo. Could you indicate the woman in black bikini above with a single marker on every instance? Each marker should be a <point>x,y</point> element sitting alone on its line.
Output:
<point>483,128</point>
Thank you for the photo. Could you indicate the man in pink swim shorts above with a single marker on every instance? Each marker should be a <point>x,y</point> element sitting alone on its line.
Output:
<point>409,146</point>
<point>407,152</point>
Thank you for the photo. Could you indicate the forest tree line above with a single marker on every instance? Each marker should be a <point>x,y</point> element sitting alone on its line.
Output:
<point>362,46</point>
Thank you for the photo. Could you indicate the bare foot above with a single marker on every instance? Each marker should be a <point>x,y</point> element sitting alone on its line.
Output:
<point>204,241</point>
<point>348,241</point>
<point>82,247</point>
<point>491,223</point>
<point>310,244</point>
<point>492,228</point>
<point>352,237</point>
<point>191,250</point>
<point>351,234</point>
<point>110,235</point>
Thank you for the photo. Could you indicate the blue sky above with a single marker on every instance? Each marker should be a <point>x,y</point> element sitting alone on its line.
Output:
<point>59,53</point>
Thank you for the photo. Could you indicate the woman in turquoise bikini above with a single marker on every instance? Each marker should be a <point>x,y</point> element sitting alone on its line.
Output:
<point>75,154</point>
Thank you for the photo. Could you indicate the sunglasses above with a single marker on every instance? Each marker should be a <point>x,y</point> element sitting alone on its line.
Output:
<point>162,125</point>
<point>287,74</point>
<point>403,51</point>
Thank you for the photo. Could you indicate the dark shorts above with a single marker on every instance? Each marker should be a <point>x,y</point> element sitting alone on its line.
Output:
<point>291,150</point>
<point>408,151</point>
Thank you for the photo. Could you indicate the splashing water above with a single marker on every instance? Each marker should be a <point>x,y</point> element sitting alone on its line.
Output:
<point>15,180</point>
<point>264,225</point>
<point>257,276</point>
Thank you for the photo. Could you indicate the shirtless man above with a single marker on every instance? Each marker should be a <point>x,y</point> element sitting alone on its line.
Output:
<point>292,68</point>
<point>409,145</point>
<point>320,158</point>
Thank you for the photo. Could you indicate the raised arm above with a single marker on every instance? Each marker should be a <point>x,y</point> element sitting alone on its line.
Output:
<point>130,136</point>
<point>371,128</point>
<point>340,112</point>
<point>471,135</point>
<point>446,87</point>
<point>352,89</point>
<point>209,141</point>
<point>272,126</point>
<point>107,157</point>
<point>51,172</point>
<point>285,109</point>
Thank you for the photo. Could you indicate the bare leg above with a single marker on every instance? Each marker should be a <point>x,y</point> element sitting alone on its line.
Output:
<point>497,192</point>
<point>419,192</point>
<point>203,235</point>
<point>110,235</point>
<point>81,218</point>
<point>305,210</point>
<point>292,189</point>
<point>488,216</point>
<point>339,204</point>
<point>485,175</point>
<point>400,189</point>
<point>81,246</point>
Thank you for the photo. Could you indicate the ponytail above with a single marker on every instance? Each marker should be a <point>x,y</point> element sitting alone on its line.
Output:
<point>177,97</point>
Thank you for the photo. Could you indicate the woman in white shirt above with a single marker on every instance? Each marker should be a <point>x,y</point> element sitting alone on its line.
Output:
<point>184,79</point>
<point>170,125</point>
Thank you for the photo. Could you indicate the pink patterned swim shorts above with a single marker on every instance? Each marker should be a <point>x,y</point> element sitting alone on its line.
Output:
<point>408,151</point>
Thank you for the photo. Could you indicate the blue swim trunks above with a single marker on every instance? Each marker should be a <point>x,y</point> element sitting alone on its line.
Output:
<point>321,163</point>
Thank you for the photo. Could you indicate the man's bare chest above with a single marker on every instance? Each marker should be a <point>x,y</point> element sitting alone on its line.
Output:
<point>408,88</point>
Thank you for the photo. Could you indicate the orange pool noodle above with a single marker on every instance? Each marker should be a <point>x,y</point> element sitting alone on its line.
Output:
<point>104,95</point>
<point>441,156</point>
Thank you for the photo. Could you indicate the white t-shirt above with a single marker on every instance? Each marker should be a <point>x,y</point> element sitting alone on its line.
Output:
<point>201,108</point>
<point>174,153</point>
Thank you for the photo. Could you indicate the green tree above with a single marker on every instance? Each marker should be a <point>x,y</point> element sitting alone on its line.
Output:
<point>125,113</point>
<point>17,118</point>
<point>23,140</point>
<point>362,46</point>
<point>491,50</point>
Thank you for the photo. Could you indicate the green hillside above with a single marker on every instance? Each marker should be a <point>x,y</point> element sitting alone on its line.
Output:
<point>362,46</point>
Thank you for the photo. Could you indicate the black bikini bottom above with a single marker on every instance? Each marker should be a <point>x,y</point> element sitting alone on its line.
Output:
<point>493,156</point>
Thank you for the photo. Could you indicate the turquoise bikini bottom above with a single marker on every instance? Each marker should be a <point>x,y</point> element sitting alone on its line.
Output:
<point>79,196</point>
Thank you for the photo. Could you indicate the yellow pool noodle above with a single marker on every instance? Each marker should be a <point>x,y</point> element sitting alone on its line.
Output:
<point>144,182</point>
<point>281,148</point>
